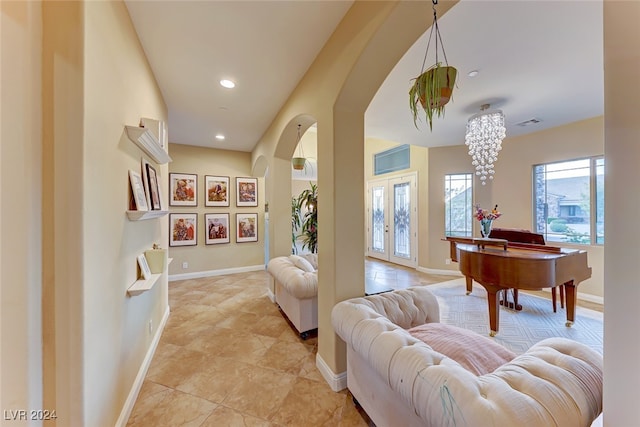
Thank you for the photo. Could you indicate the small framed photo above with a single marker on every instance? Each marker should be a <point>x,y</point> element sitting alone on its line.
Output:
<point>183,189</point>
<point>183,229</point>
<point>144,266</point>
<point>216,190</point>
<point>217,226</point>
<point>246,191</point>
<point>154,188</point>
<point>247,227</point>
<point>137,191</point>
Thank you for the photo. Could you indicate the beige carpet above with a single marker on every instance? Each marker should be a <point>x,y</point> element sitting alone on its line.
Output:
<point>518,330</point>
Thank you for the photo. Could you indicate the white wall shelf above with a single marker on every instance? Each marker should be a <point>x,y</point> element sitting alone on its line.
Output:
<point>143,285</point>
<point>147,141</point>
<point>142,215</point>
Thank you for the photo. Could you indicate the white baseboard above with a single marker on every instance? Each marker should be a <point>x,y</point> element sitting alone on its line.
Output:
<point>221,272</point>
<point>142,372</point>
<point>585,297</point>
<point>455,273</point>
<point>337,382</point>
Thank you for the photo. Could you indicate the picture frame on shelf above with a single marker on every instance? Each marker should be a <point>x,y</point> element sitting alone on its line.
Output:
<point>246,191</point>
<point>154,188</point>
<point>246,227</point>
<point>144,267</point>
<point>217,228</point>
<point>183,229</point>
<point>138,195</point>
<point>183,189</point>
<point>216,190</point>
<point>145,179</point>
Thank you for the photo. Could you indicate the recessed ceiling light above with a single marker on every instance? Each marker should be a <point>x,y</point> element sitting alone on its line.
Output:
<point>473,73</point>
<point>220,137</point>
<point>227,83</point>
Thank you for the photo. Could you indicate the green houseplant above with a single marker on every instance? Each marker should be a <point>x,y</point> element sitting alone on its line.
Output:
<point>308,201</point>
<point>295,224</point>
<point>432,90</point>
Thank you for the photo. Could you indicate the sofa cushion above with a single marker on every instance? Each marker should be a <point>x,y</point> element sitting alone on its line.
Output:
<point>476,353</point>
<point>302,263</point>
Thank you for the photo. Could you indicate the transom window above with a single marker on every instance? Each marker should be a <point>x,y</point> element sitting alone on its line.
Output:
<point>458,205</point>
<point>569,201</point>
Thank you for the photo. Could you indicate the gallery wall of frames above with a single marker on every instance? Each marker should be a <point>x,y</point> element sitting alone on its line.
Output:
<point>217,192</point>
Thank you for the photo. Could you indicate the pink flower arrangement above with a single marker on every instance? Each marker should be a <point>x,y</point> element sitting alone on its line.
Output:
<point>484,214</point>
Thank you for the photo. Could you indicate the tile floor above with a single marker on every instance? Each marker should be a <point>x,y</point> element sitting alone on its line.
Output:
<point>228,357</point>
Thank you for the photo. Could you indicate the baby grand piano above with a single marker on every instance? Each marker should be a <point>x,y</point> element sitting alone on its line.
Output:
<point>499,264</point>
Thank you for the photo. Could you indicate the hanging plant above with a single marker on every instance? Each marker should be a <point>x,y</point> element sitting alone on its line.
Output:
<point>433,88</point>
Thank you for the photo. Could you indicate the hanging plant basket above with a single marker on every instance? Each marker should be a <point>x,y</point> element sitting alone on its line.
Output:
<point>432,89</point>
<point>298,163</point>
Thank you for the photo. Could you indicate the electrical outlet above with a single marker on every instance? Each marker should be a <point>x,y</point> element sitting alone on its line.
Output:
<point>185,265</point>
<point>447,261</point>
<point>151,326</point>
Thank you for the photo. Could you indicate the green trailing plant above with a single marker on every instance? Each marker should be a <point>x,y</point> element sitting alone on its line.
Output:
<point>308,201</point>
<point>433,88</point>
<point>431,91</point>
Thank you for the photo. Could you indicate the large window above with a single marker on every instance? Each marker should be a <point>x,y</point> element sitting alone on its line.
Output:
<point>458,205</point>
<point>569,201</point>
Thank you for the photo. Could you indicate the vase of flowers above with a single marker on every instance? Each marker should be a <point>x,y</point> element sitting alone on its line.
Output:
<point>486,218</point>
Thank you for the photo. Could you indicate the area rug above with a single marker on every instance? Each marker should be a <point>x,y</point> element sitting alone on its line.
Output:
<point>517,330</point>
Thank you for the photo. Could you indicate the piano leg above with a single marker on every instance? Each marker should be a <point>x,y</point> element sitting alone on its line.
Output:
<point>494,310</point>
<point>571,296</point>
<point>469,281</point>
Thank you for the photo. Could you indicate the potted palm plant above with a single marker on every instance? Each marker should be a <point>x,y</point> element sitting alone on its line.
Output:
<point>295,224</point>
<point>308,200</point>
<point>432,90</point>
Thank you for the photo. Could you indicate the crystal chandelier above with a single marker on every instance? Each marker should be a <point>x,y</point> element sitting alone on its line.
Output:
<point>485,132</point>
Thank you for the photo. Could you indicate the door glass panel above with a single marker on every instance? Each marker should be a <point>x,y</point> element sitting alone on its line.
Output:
<point>402,220</point>
<point>377,219</point>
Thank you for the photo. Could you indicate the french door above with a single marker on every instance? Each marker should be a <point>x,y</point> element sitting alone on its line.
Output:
<point>392,211</point>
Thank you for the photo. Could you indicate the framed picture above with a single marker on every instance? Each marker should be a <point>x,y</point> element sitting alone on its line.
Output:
<point>145,181</point>
<point>246,191</point>
<point>183,189</point>
<point>183,229</point>
<point>137,191</point>
<point>216,190</point>
<point>154,188</point>
<point>217,226</point>
<point>144,266</point>
<point>246,227</point>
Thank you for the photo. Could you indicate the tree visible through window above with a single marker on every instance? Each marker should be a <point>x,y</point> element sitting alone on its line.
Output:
<point>458,205</point>
<point>569,201</point>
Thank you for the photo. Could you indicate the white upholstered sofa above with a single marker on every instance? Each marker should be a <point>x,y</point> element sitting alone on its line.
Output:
<point>296,289</point>
<point>401,380</point>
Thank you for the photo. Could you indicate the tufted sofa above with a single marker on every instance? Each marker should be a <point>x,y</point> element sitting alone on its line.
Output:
<point>296,289</point>
<point>398,377</point>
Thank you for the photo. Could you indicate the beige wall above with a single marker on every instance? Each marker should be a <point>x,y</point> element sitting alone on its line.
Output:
<point>511,188</point>
<point>21,206</point>
<point>622,269</point>
<point>119,89</point>
<point>205,259</point>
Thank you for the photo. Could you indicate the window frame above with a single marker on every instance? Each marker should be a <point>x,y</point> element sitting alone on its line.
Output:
<point>595,164</point>
<point>467,232</point>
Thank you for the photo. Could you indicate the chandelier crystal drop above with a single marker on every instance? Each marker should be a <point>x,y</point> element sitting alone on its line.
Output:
<point>485,132</point>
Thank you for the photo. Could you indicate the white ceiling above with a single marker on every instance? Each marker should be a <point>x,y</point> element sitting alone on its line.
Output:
<point>536,59</point>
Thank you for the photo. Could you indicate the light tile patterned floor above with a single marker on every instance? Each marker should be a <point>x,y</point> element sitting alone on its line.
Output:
<point>228,357</point>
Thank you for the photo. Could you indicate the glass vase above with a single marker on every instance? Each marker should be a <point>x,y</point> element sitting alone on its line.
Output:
<point>485,227</point>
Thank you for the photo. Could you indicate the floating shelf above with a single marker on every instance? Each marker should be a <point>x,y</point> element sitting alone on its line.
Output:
<point>147,141</point>
<point>142,215</point>
<point>143,285</point>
